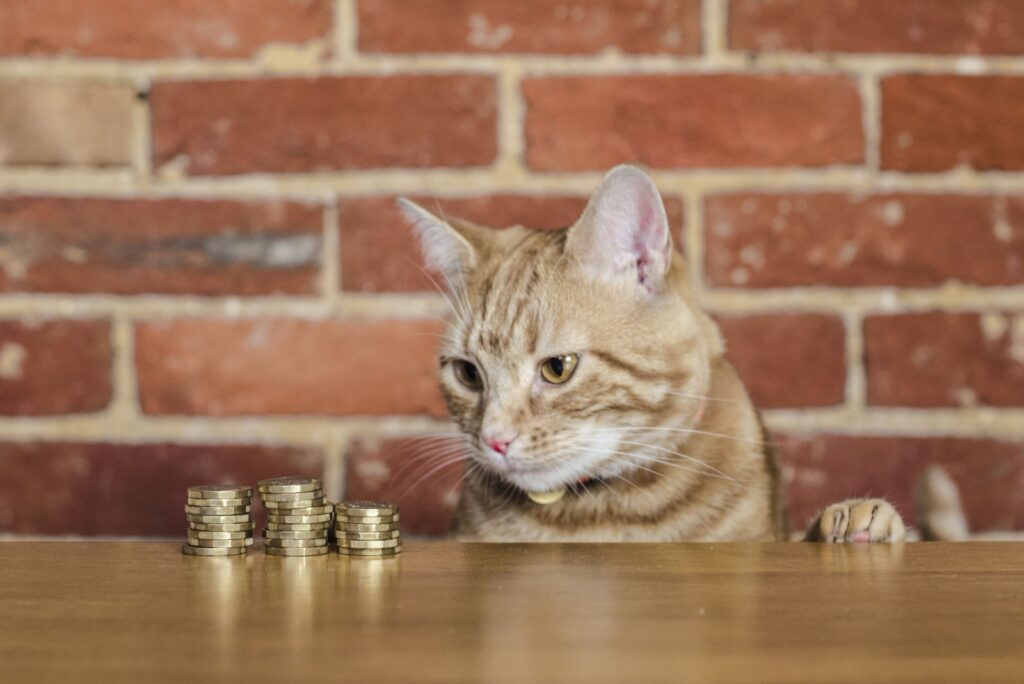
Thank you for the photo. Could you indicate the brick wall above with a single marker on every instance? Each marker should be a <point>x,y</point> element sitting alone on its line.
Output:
<point>202,276</point>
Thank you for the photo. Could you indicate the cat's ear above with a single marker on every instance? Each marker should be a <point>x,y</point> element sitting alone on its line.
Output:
<point>623,232</point>
<point>446,250</point>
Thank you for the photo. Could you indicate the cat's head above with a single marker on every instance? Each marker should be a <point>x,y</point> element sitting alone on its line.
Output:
<point>560,342</point>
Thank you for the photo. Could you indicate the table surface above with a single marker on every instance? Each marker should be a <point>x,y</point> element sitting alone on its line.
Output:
<point>446,612</point>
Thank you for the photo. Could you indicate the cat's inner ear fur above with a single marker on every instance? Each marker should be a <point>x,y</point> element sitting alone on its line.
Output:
<point>447,249</point>
<point>624,232</point>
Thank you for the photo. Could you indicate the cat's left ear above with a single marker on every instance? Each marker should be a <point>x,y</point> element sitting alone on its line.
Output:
<point>624,232</point>
<point>446,249</point>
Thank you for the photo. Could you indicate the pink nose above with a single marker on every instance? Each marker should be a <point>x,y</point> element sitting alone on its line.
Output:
<point>499,444</point>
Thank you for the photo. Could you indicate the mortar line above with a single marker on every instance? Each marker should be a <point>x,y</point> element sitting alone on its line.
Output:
<point>871,114</point>
<point>715,58</point>
<point>312,187</point>
<point>344,30</point>
<point>334,466</point>
<point>693,237</point>
<point>714,28</point>
<point>330,254</point>
<point>856,380</point>
<point>124,404</point>
<point>510,163</point>
<point>142,134</point>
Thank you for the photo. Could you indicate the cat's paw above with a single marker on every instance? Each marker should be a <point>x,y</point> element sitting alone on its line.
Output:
<point>858,520</point>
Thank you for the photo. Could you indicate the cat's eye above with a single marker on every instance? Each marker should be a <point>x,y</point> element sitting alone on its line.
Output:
<point>468,375</point>
<point>558,369</point>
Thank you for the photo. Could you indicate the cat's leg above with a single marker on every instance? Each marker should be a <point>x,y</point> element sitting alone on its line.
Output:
<point>858,520</point>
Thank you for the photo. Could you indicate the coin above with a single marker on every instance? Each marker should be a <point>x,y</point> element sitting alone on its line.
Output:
<point>370,552</point>
<point>306,508</point>
<point>294,496</point>
<point>287,485</point>
<point>378,509</point>
<point>292,505</point>
<point>368,544</point>
<point>219,492</point>
<point>309,551</point>
<point>201,551</point>
<point>296,534</point>
<point>216,510</point>
<point>367,536</point>
<point>367,519</point>
<point>214,527</point>
<point>298,527</point>
<point>192,501</point>
<point>295,543</point>
<point>547,498</point>
<point>219,543</point>
<point>366,527</point>
<point>219,519</point>
<point>202,534</point>
<point>300,519</point>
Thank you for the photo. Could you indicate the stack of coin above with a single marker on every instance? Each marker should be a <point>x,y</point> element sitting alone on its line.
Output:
<point>367,528</point>
<point>219,520</point>
<point>298,517</point>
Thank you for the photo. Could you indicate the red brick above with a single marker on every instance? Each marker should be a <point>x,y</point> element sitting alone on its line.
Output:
<point>994,27</point>
<point>422,474</point>
<point>691,121</point>
<point>54,367</point>
<point>130,29</point>
<point>380,254</point>
<point>328,123</point>
<point>788,360</point>
<point>945,359</point>
<point>632,26</point>
<point>794,239</point>
<point>127,489</point>
<point>288,367</point>
<point>46,123</point>
<point>161,246</point>
<point>823,469</point>
<point>938,122</point>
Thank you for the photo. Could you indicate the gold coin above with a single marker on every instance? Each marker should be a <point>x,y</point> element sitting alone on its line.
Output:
<point>547,498</point>
<point>215,527</point>
<point>220,551</point>
<point>294,505</point>
<point>367,536</point>
<point>192,501</point>
<point>293,496</point>
<point>288,551</point>
<point>203,534</point>
<point>219,519</point>
<point>294,534</point>
<point>289,485</point>
<point>216,510</point>
<point>370,552</point>
<point>300,519</point>
<point>320,509</point>
<point>219,492</point>
<point>367,519</point>
<point>368,544</point>
<point>298,527</point>
<point>366,508</point>
<point>295,543</point>
<point>219,543</point>
<point>365,527</point>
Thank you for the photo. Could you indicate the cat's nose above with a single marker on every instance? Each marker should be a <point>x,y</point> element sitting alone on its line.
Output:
<point>499,443</point>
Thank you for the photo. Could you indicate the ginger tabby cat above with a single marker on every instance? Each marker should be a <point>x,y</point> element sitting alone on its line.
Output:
<point>593,393</point>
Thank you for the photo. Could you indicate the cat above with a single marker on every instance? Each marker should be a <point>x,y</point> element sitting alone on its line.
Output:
<point>593,392</point>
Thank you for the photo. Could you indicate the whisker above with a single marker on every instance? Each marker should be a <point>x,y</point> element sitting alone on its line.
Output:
<point>689,431</point>
<point>676,453</point>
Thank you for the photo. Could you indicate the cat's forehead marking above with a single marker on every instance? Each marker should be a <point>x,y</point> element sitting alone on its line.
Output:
<point>508,311</point>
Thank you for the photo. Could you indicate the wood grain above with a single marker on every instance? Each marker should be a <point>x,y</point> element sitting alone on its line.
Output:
<point>442,612</point>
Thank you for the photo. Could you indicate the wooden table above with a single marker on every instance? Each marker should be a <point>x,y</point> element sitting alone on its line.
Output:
<point>444,612</point>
